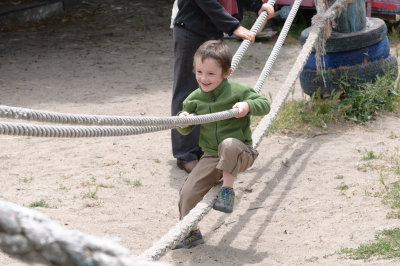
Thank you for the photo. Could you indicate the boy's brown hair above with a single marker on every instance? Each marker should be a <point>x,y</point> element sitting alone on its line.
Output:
<point>216,50</point>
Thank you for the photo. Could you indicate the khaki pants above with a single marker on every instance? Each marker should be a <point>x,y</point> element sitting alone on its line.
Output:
<point>233,157</point>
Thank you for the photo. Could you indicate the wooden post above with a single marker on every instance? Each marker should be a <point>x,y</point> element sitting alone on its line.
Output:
<point>353,17</point>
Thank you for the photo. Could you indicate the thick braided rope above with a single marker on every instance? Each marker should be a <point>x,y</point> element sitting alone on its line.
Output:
<point>21,129</point>
<point>73,131</point>
<point>103,120</point>
<point>245,44</point>
<point>31,236</point>
<point>180,230</point>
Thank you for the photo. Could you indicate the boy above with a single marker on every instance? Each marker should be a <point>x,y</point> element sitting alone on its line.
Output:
<point>198,21</point>
<point>226,144</point>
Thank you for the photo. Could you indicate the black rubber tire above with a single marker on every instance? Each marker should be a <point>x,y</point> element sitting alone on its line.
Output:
<point>367,54</point>
<point>374,32</point>
<point>311,81</point>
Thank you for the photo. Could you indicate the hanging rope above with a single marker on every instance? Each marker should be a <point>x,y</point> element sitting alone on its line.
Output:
<point>319,22</point>
<point>278,45</point>
<point>73,132</point>
<point>245,44</point>
<point>180,230</point>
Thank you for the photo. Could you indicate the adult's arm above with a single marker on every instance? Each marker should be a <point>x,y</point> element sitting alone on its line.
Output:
<point>256,6</point>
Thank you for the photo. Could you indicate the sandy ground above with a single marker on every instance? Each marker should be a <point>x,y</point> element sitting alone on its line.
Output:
<point>116,59</point>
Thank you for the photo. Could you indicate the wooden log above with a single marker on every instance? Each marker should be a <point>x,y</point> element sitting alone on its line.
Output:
<point>352,18</point>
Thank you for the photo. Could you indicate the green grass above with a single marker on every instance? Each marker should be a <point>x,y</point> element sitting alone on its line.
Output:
<point>92,193</point>
<point>342,187</point>
<point>388,170</point>
<point>134,183</point>
<point>41,203</point>
<point>27,179</point>
<point>391,196</point>
<point>300,22</point>
<point>365,167</point>
<point>393,32</point>
<point>370,155</point>
<point>363,100</point>
<point>308,115</point>
<point>63,187</point>
<point>385,246</point>
<point>394,159</point>
<point>248,19</point>
<point>137,183</point>
<point>358,103</point>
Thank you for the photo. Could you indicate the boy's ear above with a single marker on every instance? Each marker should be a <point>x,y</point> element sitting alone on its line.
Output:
<point>228,73</point>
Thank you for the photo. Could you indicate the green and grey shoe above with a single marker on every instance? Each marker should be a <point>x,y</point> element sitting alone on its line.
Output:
<point>225,200</point>
<point>192,239</point>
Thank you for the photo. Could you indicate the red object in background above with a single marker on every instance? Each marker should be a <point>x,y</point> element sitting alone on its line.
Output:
<point>304,3</point>
<point>377,8</point>
<point>230,6</point>
<point>383,5</point>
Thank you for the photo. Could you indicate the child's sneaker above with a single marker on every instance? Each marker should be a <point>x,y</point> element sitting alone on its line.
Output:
<point>194,238</point>
<point>225,200</point>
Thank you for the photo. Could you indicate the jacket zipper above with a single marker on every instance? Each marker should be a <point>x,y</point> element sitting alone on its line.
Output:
<point>216,123</point>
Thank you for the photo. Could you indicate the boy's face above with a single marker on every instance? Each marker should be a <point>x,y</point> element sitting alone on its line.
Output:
<point>209,73</point>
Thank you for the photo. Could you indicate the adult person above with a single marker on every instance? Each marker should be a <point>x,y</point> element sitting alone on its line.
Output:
<point>196,22</point>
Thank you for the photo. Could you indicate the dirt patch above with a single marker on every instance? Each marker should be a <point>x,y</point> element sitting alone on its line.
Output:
<point>115,58</point>
<point>11,3</point>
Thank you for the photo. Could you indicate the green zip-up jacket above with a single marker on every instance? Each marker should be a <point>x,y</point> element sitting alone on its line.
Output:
<point>221,99</point>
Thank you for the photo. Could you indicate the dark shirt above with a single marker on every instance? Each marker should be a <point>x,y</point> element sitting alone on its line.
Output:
<point>209,18</point>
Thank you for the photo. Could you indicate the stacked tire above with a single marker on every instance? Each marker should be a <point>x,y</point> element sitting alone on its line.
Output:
<point>358,56</point>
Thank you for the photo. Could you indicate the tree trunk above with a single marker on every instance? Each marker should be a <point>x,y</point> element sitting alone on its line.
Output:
<point>353,17</point>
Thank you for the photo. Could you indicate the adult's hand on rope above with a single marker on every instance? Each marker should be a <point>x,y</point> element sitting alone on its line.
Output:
<point>183,114</point>
<point>243,109</point>
<point>268,8</point>
<point>245,34</point>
